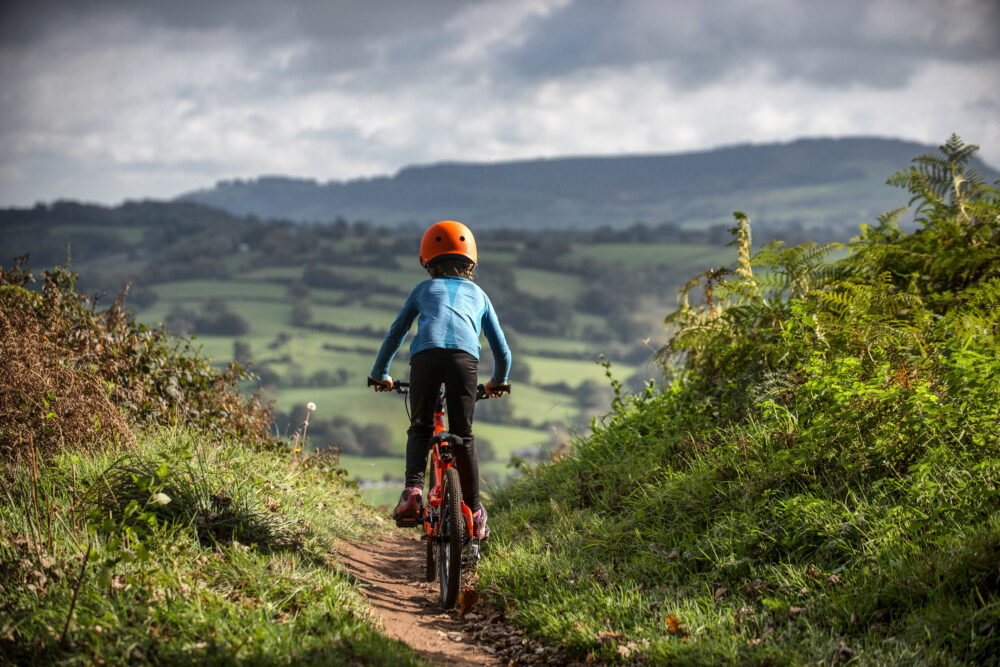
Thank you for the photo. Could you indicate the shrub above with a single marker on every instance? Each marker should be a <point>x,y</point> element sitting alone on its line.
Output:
<point>76,376</point>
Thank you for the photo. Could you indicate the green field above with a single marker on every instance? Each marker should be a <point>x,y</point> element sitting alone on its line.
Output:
<point>550,284</point>
<point>653,254</point>
<point>546,370</point>
<point>231,290</point>
<point>381,478</point>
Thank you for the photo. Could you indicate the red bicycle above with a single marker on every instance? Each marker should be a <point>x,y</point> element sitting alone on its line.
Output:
<point>447,520</point>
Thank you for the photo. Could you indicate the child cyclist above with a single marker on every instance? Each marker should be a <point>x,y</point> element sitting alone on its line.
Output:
<point>451,312</point>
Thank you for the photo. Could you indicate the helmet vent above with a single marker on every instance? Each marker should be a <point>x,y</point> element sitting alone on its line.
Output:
<point>438,239</point>
<point>461,238</point>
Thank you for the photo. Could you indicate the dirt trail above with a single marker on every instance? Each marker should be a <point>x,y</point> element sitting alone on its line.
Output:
<point>392,576</point>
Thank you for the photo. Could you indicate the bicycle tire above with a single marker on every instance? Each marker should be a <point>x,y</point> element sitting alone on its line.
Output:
<point>450,539</point>
<point>431,573</point>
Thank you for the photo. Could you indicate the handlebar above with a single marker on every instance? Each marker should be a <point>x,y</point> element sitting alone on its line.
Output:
<point>500,390</point>
<point>401,387</point>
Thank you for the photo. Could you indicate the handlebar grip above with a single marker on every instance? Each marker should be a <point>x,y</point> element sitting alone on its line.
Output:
<point>398,386</point>
<point>500,389</point>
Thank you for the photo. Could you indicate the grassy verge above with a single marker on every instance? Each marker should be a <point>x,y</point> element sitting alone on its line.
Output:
<point>736,547</point>
<point>238,563</point>
<point>820,482</point>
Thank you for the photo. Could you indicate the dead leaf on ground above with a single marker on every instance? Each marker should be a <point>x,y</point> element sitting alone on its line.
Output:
<point>626,650</point>
<point>600,575</point>
<point>467,599</point>
<point>607,637</point>
<point>842,652</point>
<point>675,627</point>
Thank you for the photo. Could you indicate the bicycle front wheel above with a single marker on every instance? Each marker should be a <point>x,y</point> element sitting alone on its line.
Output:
<point>451,538</point>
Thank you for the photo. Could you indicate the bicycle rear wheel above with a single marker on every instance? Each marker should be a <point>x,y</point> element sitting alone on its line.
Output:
<point>431,573</point>
<point>451,539</point>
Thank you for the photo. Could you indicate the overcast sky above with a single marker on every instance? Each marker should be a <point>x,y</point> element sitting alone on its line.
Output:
<point>105,100</point>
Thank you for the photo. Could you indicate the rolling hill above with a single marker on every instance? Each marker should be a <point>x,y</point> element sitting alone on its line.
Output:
<point>807,184</point>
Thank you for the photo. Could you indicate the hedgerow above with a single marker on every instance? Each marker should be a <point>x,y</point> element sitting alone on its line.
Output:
<point>72,375</point>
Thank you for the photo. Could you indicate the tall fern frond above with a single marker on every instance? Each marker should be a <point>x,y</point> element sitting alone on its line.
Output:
<point>977,317</point>
<point>958,244</point>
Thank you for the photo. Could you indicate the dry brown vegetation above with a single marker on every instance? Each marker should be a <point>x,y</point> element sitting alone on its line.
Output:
<point>75,376</point>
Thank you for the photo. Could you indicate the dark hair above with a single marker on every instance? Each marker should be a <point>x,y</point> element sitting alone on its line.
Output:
<point>451,265</point>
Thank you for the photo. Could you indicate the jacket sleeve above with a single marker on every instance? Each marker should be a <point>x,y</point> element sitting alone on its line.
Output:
<point>498,344</point>
<point>394,338</point>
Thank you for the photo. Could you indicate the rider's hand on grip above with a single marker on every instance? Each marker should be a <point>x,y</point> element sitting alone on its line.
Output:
<point>494,390</point>
<point>381,385</point>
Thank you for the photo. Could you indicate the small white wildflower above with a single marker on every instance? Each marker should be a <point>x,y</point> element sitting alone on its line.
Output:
<point>311,407</point>
<point>161,499</point>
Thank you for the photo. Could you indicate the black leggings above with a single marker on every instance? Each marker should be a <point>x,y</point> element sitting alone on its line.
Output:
<point>458,371</point>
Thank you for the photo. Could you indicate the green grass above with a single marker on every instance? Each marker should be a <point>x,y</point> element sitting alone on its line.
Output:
<point>176,592</point>
<point>359,404</point>
<point>549,284</point>
<point>540,406</point>
<point>385,495</point>
<point>541,345</point>
<point>549,371</point>
<point>404,278</point>
<point>502,438</point>
<point>353,316</point>
<point>373,467</point>
<point>489,258</point>
<point>720,551</point>
<point>194,291</point>
<point>506,439</point>
<point>653,254</point>
<point>382,497</point>
<point>273,272</point>
<point>266,319</point>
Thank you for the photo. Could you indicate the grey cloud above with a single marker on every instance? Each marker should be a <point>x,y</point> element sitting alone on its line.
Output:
<point>321,20</point>
<point>877,44</point>
<point>257,81</point>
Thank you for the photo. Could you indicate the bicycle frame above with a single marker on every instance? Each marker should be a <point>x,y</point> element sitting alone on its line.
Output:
<point>442,458</point>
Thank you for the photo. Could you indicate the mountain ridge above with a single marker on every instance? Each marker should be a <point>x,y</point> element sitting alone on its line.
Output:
<point>806,183</point>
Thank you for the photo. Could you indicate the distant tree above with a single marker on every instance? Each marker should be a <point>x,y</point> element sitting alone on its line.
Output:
<point>217,320</point>
<point>484,450</point>
<point>298,290</point>
<point>342,437</point>
<point>374,439</point>
<point>241,352</point>
<point>301,313</point>
<point>180,320</point>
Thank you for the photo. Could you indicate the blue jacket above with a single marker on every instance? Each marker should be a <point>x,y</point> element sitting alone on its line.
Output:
<point>452,312</point>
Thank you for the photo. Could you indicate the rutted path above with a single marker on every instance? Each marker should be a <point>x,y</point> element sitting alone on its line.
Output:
<point>392,576</point>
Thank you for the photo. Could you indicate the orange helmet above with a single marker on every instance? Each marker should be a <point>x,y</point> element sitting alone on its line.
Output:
<point>448,238</point>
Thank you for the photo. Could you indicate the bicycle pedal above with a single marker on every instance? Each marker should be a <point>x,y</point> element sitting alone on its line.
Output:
<point>409,522</point>
<point>471,556</point>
